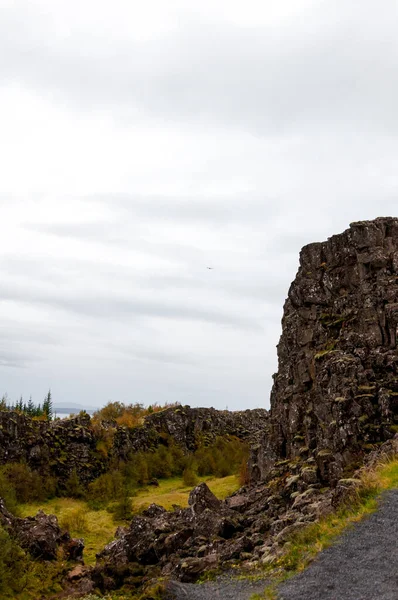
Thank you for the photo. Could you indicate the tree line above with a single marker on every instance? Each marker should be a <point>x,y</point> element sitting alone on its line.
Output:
<point>42,411</point>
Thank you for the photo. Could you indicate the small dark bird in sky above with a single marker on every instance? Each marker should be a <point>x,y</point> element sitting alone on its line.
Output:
<point>210,268</point>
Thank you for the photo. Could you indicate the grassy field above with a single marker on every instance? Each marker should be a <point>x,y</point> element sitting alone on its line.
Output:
<point>173,491</point>
<point>97,527</point>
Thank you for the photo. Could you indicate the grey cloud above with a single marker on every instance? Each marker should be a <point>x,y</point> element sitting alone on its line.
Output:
<point>266,80</point>
<point>154,355</point>
<point>268,288</point>
<point>113,307</point>
<point>14,359</point>
<point>26,335</point>
<point>243,208</point>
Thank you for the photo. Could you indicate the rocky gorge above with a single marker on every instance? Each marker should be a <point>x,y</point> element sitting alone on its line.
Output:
<point>334,407</point>
<point>57,448</point>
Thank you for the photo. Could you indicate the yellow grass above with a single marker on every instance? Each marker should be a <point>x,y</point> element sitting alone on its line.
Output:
<point>172,491</point>
<point>97,527</point>
<point>100,526</point>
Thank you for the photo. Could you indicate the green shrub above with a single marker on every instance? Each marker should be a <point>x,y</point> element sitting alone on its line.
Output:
<point>189,477</point>
<point>27,485</point>
<point>73,487</point>
<point>160,463</point>
<point>75,521</point>
<point>221,458</point>
<point>122,510</point>
<point>13,566</point>
<point>7,492</point>
<point>106,487</point>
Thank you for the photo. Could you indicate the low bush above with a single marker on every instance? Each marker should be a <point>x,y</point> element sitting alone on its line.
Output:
<point>73,486</point>
<point>13,566</point>
<point>25,485</point>
<point>189,477</point>
<point>75,521</point>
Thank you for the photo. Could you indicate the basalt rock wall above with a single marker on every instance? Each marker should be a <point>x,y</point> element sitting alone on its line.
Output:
<point>52,448</point>
<point>189,428</point>
<point>335,395</point>
<point>59,447</point>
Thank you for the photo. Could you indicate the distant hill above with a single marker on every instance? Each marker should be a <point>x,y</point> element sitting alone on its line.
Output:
<point>68,409</point>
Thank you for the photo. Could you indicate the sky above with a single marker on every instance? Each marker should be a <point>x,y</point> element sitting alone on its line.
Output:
<point>143,142</point>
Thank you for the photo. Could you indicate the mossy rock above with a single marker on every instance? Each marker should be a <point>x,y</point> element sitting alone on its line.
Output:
<point>325,453</point>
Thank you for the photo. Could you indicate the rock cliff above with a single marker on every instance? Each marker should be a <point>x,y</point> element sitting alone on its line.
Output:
<point>335,394</point>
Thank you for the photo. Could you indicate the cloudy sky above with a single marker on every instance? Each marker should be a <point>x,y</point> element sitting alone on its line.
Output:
<point>142,142</point>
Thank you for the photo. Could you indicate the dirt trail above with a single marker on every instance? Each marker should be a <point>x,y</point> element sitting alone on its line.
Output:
<point>223,588</point>
<point>361,565</point>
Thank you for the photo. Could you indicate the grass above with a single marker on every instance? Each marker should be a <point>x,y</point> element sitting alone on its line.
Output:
<point>97,527</point>
<point>303,546</point>
<point>173,491</point>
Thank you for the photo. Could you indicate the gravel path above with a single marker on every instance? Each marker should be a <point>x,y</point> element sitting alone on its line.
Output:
<point>362,565</point>
<point>223,588</point>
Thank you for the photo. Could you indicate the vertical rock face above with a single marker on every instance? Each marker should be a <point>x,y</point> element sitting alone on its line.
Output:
<point>336,390</point>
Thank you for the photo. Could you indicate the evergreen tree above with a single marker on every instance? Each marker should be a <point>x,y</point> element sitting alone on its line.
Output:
<point>48,406</point>
<point>30,409</point>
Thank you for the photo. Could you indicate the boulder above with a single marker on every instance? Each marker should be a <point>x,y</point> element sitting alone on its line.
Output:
<point>41,535</point>
<point>201,498</point>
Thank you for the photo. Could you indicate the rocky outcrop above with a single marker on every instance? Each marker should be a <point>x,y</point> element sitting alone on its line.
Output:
<point>52,448</point>
<point>58,448</point>
<point>188,428</point>
<point>334,405</point>
<point>41,535</point>
<point>250,528</point>
<point>335,394</point>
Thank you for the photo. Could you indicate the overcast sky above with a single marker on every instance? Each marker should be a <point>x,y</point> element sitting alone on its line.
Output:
<point>142,142</point>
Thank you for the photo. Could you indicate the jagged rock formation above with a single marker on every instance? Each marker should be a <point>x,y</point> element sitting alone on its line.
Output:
<point>188,428</point>
<point>336,391</point>
<point>59,447</point>
<point>41,535</point>
<point>55,448</point>
<point>248,529</point>
<point>334,399</point>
